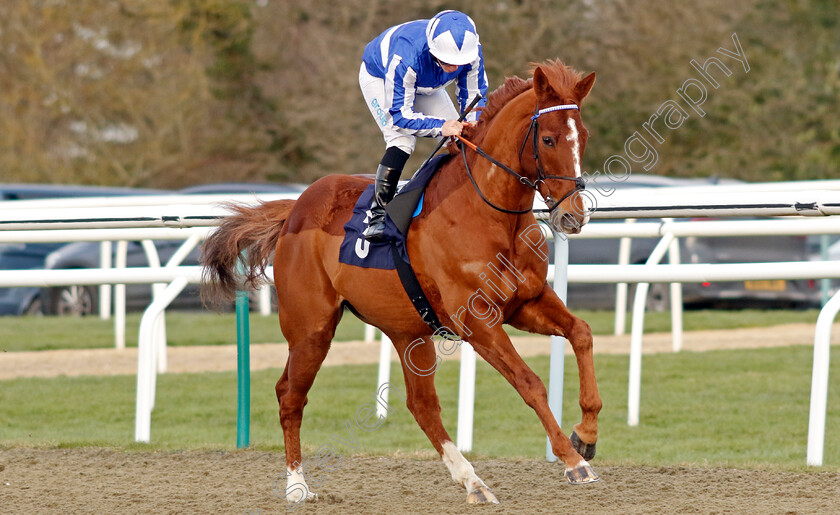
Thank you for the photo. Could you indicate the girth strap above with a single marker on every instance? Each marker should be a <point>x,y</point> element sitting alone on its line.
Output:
<point>415,293</point>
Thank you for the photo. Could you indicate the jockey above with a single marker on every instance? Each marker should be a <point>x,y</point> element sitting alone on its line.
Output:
<point>403,75</point>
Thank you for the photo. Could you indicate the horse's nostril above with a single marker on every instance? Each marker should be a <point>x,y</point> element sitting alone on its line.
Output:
<point>567,223</point>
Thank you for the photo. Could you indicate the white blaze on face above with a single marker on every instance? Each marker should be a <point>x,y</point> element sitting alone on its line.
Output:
<point>573,139</point>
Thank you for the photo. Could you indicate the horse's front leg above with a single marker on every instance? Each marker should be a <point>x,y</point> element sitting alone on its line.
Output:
<point>496,348</point>
<point>546,314</point>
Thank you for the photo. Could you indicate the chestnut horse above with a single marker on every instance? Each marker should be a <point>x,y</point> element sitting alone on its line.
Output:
<point>475,213</point>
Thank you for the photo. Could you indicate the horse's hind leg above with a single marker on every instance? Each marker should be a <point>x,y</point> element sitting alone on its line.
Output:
<point>418,364</point>
<point>309,340</point>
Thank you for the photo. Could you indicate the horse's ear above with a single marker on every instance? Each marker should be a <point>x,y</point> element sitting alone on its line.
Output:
<point>584,86</point>
<point>541,85</point>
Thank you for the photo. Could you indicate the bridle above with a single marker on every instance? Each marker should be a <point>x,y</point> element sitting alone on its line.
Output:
<point>541,175</point>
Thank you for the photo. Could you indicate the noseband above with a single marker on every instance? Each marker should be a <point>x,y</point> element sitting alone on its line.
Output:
<point>541,175</point>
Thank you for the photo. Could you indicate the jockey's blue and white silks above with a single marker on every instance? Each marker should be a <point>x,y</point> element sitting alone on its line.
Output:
<point>452,38</point>
<point>400,57</point>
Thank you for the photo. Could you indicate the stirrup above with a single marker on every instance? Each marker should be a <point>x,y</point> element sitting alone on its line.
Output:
<point>376,227</point>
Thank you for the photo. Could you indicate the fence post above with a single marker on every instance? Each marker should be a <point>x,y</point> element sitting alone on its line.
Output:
<point>825,284</point>
<point>466,398</point>
<point>384,374</point>
<point>243,368</point>
<point>621,288</point>
<point>676,300</point>
<point>637,329</point>
<point>105,260</point>
<point>557,361</point>
<point>119,297</point>
<point>819,381</point>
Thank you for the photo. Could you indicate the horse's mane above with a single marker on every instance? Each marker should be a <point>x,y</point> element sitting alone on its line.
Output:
<point>563,78</point>
<point>513,87</point>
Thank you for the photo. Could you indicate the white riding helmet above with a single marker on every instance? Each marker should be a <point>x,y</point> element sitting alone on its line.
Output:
<point>452,38</point>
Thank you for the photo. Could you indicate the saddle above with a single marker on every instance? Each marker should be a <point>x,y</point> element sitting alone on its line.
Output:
<point>406,204</point>
<point>391,253</point>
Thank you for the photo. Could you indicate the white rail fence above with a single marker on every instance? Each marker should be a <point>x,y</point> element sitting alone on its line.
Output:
<point>39,219</point>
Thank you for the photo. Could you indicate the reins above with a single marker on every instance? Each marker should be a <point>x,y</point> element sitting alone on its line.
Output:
<point>541,175</point>
<point>485,155</point>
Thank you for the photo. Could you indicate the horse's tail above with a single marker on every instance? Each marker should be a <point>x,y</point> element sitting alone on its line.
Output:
<point>253,230</point>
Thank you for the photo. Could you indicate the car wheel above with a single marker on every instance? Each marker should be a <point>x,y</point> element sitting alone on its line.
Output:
<point>658,297</point>
<point>73,301</point>
<point>34,308</point>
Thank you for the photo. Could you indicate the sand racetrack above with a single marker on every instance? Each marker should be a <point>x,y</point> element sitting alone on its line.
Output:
<point>91,480</point>
<point>95,480</point>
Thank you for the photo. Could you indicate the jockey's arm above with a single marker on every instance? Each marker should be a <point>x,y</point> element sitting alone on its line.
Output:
<point>402,83</point>
<point>471,81</point>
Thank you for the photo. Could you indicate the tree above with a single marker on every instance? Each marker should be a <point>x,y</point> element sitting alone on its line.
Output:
<point>167,93</point>
<point>152,94</point>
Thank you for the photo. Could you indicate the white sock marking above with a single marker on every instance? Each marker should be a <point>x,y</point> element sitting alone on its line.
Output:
<point>296,487</point>
<point>462,470</point>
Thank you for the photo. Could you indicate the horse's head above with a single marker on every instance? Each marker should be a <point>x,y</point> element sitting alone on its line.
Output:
<point>555,141</point>
<point>533,135</point>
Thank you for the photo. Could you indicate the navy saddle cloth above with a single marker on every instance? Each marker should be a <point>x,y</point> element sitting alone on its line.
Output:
<point>407,204</point>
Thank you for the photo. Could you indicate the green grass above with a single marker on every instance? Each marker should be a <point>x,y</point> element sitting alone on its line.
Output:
<point>202,328</point>
<point>740,408</point>
<point>182,328</point>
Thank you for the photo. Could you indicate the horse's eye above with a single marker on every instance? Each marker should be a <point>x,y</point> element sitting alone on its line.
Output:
<point>548,141</point>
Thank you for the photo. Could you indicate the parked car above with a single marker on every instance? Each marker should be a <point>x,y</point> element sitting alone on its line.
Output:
<point>47,191</point>
<point>22,256</point>
<point>730,294</point>
<point>84,300</point>
<point>29,256</point>
<point>243,187</point>
<point>833,254</point>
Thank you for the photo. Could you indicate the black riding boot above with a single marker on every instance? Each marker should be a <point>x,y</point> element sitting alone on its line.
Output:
<point>383,191</point>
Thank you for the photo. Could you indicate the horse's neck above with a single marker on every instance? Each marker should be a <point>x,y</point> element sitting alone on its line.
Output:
<point>465,222</point>
<point>502,141</point>
<point>462,210</point>
<point>462,221</point>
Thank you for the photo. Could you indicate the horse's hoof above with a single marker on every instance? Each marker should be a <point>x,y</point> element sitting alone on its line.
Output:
<point>482,495</point>
<point>297,495</point>
<point>586,450</point>
<point>581,474</point>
